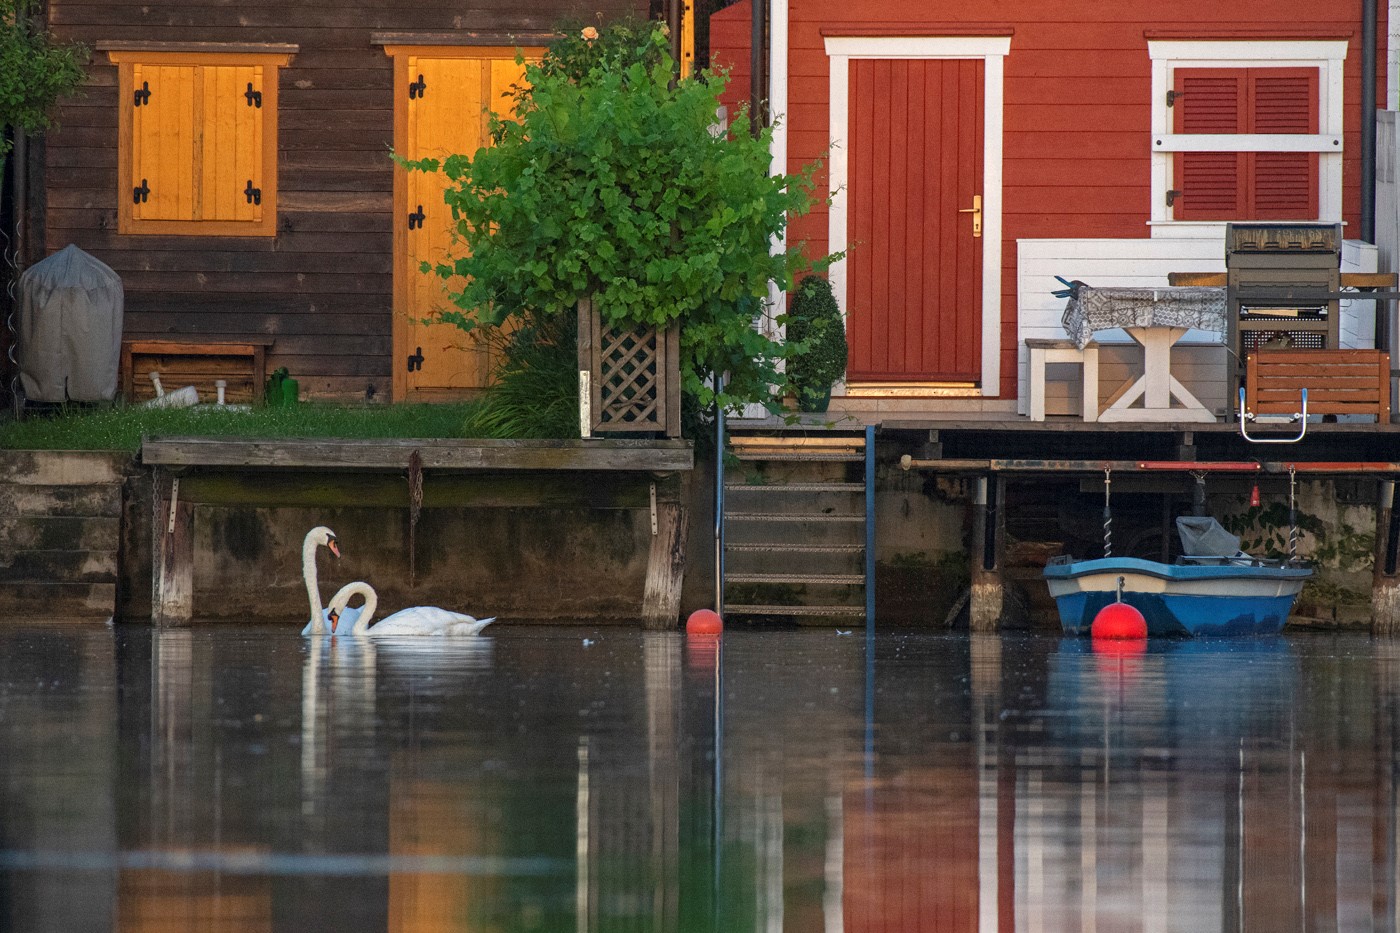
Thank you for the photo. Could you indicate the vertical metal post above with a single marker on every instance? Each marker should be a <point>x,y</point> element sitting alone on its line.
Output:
<point>719,501</point>
<point>674,23</point>
<point>1368,120</point>
<point>758,71</point>
<point>869,617</point>
<point>869,530</point>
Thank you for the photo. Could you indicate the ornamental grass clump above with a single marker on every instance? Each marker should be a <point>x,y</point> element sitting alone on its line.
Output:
<point>816,343</point>
<point>613,182</point>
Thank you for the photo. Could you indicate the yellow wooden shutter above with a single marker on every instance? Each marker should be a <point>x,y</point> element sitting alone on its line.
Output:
<point>163,142</point>
<point>231,160</point>
<point>444,120</point>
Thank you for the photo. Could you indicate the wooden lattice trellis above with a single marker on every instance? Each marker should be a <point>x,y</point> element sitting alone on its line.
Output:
<point>633,375</point>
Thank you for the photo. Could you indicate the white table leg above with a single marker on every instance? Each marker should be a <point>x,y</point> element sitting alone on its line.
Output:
<point>1157,386</point>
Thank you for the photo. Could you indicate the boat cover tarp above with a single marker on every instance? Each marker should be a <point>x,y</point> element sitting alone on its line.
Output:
<point>1202,536</point>
<point>70,328</point>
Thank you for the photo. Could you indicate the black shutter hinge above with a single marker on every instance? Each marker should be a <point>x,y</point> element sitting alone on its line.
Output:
<point>1172,195</point>
<point>1172,96</point>
<point>138,195</point>
<point>417,88</point>
<point>254,98</point>
<point>415,219</point>
<point>254,195</point>
<point>143,95</point>
<point>415,360</point>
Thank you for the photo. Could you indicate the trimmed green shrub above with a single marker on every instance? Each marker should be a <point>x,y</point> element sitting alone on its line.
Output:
<point>816,343</point>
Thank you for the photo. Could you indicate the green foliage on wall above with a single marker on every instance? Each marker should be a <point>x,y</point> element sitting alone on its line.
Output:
<point>1263,531</point>
<point>612,182</point>
<point>35,71</point>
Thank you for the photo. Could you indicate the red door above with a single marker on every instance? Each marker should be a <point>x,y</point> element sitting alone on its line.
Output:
<point>914,292</point>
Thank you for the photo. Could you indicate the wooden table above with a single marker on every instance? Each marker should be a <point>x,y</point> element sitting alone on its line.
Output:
<point>1155,319</point>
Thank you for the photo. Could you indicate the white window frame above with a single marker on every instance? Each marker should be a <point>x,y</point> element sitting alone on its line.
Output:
<point>841,50</point>
<point>1169,55</point>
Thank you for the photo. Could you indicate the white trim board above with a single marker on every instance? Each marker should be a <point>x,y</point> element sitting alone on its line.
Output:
<point>993,50</point>
<point>1328,56</point>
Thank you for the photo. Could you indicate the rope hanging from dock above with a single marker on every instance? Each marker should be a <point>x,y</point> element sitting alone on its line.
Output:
<point>1107,513</point>
<point>1292,513</point>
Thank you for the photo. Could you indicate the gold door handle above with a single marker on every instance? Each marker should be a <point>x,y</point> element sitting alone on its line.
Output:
<point>976,211</point>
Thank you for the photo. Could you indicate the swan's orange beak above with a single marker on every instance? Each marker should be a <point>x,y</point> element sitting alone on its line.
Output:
<point>334,617</point>
<point>335,549</point>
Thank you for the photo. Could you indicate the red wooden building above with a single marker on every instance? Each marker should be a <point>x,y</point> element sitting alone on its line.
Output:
<point>976,150</point>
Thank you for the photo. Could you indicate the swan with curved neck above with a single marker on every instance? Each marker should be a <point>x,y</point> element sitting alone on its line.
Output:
<point>320,536</point>
<point>418,620</point>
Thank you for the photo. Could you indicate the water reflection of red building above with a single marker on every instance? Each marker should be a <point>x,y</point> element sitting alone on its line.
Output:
<point>910,852</point>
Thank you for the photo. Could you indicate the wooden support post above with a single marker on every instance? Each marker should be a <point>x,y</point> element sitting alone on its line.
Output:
<point>1385,587</point>
<point>987,591</point>
<point>661,600</point>
<point>172,559</point>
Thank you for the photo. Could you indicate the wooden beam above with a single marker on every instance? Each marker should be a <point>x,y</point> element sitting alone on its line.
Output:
<point>172,553</point>
<point>661,598</point>
<point>1348,279</point>
<point>308,489</point>
<point>438,454</point>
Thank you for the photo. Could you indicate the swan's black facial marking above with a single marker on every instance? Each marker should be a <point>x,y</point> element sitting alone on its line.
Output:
<point>334,617</point>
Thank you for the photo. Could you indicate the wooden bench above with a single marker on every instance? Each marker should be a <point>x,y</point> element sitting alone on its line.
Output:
<point>199,363</point>
<point>1043,351</point>
<point>1339,382</point>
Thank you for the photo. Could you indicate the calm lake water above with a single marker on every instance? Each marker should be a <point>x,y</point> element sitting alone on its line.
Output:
<point>581,779</point>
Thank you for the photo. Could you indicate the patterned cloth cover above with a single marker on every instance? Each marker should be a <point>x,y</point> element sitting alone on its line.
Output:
<point>1094,309</point>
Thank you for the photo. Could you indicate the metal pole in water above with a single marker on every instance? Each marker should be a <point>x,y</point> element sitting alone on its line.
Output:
<point>869,530</point>
<point>719,500</point>
<point>869,609</point>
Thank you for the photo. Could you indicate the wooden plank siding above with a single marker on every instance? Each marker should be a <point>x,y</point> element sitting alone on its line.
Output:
<point>322,288</point>
<point>1076,157</point>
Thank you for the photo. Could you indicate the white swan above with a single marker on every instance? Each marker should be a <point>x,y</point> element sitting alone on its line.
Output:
<point>419,620</point>
<point>320,536</point>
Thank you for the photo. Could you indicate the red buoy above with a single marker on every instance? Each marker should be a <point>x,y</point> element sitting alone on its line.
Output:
<point>1118,620</point>
<point>704,622</point>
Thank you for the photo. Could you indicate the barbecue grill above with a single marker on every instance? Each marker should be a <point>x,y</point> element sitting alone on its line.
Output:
<point>1281,286</point>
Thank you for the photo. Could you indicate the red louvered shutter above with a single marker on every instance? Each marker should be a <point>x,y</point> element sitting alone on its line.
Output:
<point>1283,184</point>
<point>1245,185</point>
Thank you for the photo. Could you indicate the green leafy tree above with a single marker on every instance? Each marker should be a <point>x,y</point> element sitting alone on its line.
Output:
<point>35,71</point>
<point>612,182</point>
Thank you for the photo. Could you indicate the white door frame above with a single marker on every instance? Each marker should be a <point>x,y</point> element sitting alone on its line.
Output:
<point>992,50</point>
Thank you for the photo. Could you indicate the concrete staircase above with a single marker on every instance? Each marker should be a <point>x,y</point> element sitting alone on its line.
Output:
<point>795,526</point>
<point>60,534</point>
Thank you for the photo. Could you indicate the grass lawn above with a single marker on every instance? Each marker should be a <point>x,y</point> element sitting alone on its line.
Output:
<point>121,427</point>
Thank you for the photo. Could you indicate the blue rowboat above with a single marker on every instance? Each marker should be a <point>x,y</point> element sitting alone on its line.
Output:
<point>1237,595</point>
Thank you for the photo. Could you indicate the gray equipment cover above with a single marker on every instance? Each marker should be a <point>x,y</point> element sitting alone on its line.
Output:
<point>70,328</point>
<point>1202,536</point>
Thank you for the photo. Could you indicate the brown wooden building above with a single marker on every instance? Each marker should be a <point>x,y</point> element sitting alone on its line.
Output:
<point>232,164</point>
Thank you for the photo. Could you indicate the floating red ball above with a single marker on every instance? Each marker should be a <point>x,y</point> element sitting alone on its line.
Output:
<point>1119,620</point>
<point>704,622</point>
